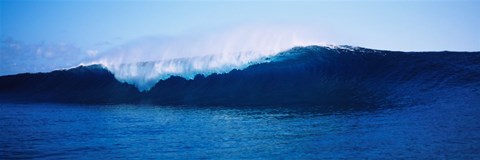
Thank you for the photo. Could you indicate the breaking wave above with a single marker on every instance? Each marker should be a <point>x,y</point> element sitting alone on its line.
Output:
<point>340,76</point>
<point>146,61</point>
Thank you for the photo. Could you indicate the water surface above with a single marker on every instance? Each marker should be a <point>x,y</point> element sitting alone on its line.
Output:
<point>56,131</point>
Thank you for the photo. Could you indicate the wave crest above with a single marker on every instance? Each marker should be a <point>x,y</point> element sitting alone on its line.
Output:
<point>144,75</point>
<point>146,61</point>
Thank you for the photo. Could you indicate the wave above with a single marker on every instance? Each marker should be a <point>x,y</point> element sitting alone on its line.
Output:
<point>302,76</point>
<point>144,75</point>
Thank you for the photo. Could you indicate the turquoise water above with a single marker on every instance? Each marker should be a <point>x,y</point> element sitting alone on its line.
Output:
<point>55,131</point>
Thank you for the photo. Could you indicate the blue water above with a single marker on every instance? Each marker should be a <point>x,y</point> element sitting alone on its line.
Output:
<point>126,131</point>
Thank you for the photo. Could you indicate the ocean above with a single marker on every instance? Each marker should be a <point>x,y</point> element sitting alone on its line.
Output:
<point>311,102</point>
<point>59,131</point>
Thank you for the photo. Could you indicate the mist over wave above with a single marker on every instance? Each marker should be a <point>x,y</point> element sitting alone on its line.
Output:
<point>146,61</point>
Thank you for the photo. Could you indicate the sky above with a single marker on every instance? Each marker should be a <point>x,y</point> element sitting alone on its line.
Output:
<point>40,36</point>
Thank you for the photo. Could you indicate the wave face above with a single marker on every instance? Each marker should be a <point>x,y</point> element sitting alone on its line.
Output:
<point>341,76</point>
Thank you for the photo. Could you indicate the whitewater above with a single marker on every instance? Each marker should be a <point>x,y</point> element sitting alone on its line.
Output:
<point>146,61</point>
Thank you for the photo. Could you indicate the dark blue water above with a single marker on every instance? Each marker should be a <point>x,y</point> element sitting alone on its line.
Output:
<point>439,130</point>
<point>352,103</point>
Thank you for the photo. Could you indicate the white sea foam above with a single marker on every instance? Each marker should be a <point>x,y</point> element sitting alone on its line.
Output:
<point>146,61</point>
